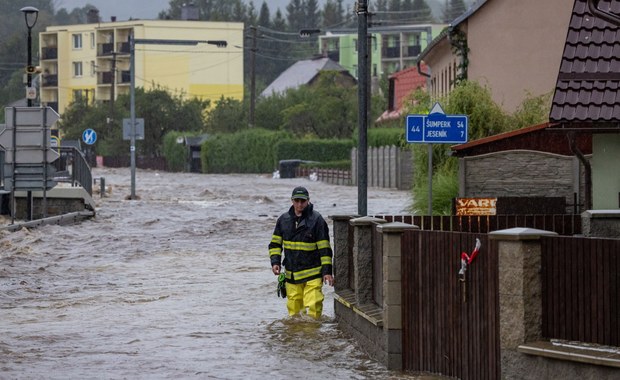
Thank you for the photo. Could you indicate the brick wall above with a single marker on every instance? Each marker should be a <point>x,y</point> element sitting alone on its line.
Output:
<point>521,173</point>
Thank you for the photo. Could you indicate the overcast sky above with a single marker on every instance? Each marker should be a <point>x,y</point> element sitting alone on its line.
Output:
<point>146,9</point>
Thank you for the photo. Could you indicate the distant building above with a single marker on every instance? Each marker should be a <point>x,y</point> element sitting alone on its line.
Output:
<point>93,60</point>
<point>393,48</point>
<point>303,73</point>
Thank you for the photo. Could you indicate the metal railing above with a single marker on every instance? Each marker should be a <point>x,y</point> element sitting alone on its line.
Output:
<point>72,167</point>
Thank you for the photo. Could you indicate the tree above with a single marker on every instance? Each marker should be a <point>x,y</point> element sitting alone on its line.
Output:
<point>423,13</point>
<point>312,17</point>
<point>264,18</point>
<point>252,19</point>
<point>381,6</point>
<point>332,14</point>
<point>453,9</point>
<point>161,111</point>
<point>296,15</point>
<point>228,116</point>
<point>325,109</point>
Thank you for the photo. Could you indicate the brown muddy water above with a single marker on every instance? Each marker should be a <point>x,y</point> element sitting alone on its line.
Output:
<point>176,284</point>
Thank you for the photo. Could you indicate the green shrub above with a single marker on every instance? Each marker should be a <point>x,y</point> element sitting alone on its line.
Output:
<point>175,153</point>
<point>320,150</point>
<point>248,151</point>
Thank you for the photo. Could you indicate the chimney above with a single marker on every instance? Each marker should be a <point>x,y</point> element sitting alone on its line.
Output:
<point>113,18</point>
<point>189,12</point>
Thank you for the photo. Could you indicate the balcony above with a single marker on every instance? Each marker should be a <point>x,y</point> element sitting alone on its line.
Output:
<point>53,105</point>
<point>413,51</point>
<point>125,77</point>
<point>106,49</point>
<point>49,80</point>
<point>49,53</point>
<point>391,52</point>
<point>124,48</point>
<point>105,78</point>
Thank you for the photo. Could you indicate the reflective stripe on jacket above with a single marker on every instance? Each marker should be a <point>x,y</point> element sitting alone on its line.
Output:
<point>305,242</point>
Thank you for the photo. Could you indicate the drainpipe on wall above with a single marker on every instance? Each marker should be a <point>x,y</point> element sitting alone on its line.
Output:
<point>587,171</point>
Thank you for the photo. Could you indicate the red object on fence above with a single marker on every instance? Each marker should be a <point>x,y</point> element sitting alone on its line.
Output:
<point>467,259</point>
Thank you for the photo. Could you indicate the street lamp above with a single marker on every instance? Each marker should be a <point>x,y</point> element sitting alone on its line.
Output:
<point>31,14</point>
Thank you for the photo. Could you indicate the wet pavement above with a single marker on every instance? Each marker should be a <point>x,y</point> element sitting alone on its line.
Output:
<point>175,284</point>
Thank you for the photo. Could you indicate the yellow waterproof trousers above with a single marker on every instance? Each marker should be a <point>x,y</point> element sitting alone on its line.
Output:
<point>306,298</point>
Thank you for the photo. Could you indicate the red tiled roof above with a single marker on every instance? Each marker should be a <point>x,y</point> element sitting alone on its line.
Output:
<point>405,82</point>
<point>588,83</point>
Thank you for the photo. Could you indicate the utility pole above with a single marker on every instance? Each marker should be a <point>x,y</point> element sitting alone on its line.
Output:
<point>113,85</point>
<point>362,149</point>
<point>251,118</point>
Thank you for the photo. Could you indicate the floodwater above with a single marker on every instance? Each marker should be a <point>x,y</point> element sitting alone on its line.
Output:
<point>176,284</point>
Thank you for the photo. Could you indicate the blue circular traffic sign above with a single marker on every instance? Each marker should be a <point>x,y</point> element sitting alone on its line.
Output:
<point>89,136</point>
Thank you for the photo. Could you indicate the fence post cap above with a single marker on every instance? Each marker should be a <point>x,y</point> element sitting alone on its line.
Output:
<point>601,214</point>
<point>366,221</point>
<point>520,233</point>
<point>396,227</point>
<point>342,217</point>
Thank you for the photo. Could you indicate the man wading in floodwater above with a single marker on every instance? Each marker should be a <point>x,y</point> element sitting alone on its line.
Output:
<point>304,236</point>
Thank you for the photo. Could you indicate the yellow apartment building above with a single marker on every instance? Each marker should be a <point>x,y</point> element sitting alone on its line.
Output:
<point>93,60</point>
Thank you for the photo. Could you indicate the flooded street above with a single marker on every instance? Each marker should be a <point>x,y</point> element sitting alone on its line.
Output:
<point>176,284</point>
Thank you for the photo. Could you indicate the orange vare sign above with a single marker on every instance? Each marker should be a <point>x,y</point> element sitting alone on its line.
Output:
<point>476,206</point>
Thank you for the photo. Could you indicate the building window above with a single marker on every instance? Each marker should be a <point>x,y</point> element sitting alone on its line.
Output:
<point>92,40</point>
<point>355,43</point>
<point>77,41</point>
<point>77,69</point>
<point>92,68</point>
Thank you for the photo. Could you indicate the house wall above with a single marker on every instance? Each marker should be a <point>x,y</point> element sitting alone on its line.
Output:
<point>605,179</point>
<point>521,173</point>
<point>443,68</point>
<point>516,47</point>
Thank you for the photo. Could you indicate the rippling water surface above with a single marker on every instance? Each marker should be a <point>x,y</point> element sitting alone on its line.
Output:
<point>176,284</point>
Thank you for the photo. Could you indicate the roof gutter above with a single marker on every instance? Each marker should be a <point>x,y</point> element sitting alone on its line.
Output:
<point>604,15</point>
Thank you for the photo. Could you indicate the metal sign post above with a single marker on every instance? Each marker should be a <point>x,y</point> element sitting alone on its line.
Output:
<point>436,127</point>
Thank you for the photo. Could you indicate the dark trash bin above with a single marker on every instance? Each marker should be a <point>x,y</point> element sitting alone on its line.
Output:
<point>287,168</point>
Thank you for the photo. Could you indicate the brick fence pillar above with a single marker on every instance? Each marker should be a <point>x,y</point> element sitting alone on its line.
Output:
<point>520,291</point>
<point>342,251</point>
<point>362,257</point>
<point>392,292</point>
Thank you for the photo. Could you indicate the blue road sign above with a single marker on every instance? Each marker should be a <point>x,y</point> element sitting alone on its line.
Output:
<point>89,136</point>
<point>437,127</point>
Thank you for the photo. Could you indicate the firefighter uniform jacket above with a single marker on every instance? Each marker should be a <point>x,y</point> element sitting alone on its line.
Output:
<point>305,241</point>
